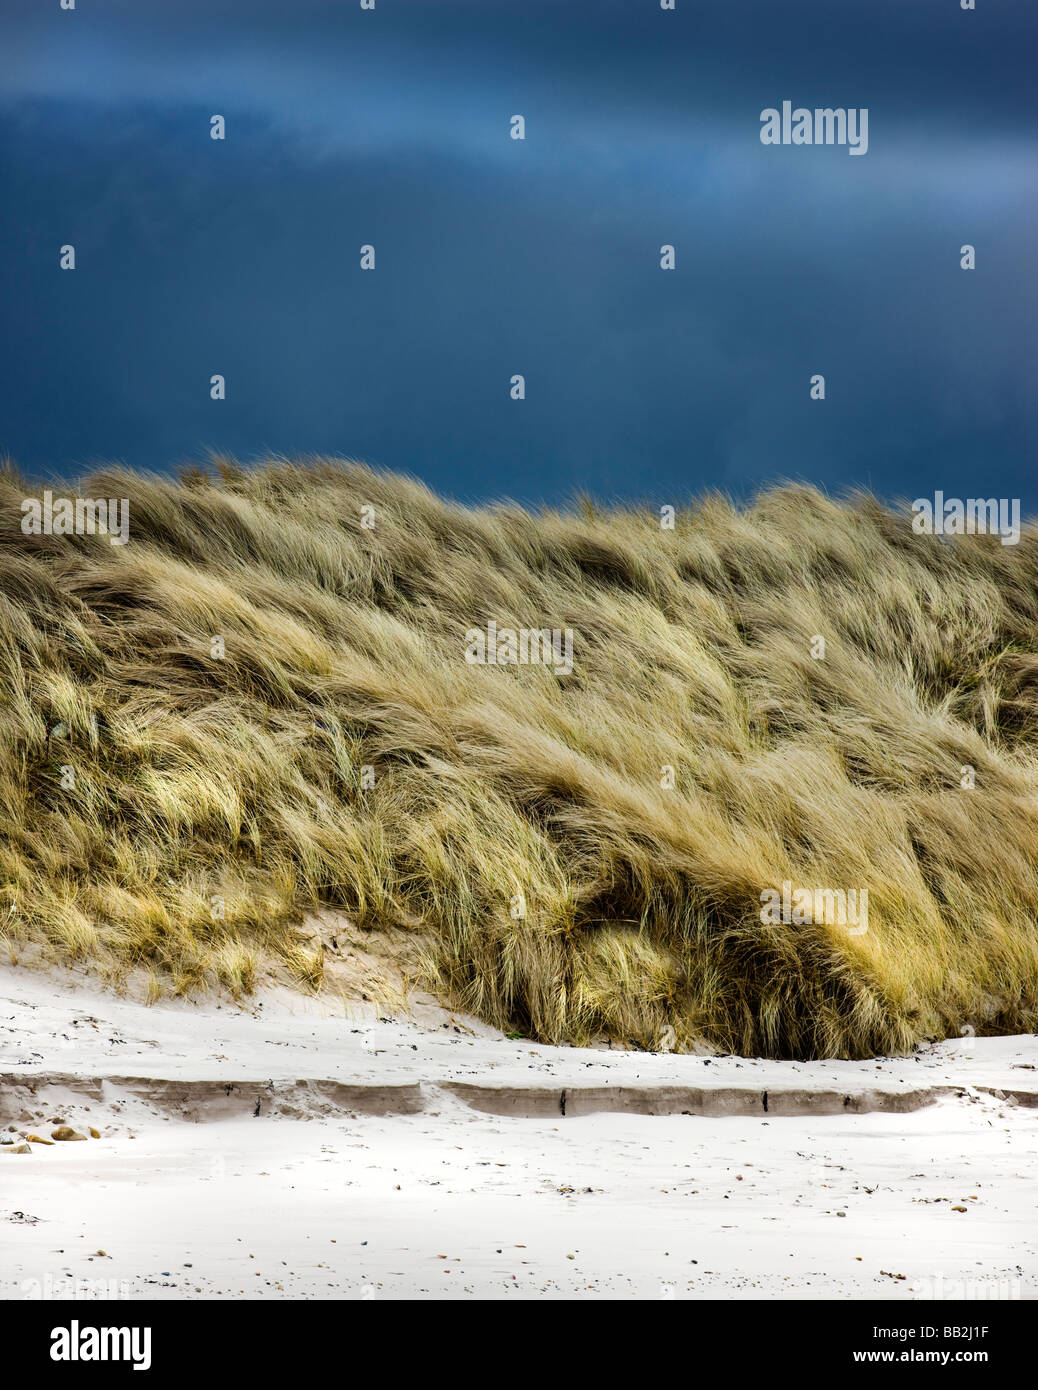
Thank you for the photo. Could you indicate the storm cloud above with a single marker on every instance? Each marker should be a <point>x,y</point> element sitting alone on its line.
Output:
<point>538,257</point>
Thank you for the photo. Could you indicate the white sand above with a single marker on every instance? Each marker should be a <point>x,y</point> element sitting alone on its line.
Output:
<point>189,1193</point>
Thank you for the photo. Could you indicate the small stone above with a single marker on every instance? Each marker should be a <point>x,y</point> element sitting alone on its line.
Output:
<point>66,1132</point>
<point>35,1139</point>
<point>95,1133</point>
<point>21,1148</point>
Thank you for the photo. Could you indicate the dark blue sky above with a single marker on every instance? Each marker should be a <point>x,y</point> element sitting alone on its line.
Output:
<point>541,257</point>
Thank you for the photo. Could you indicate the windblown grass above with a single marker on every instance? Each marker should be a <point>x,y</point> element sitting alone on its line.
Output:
<point>202,781</point>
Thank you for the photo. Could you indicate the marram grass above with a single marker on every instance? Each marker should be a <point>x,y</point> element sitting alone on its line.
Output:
<point>583,854</point>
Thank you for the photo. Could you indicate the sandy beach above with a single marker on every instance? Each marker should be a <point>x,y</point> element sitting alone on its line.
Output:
<point>282,1150</point>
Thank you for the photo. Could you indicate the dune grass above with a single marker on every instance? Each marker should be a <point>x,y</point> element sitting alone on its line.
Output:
<point>171,803</point>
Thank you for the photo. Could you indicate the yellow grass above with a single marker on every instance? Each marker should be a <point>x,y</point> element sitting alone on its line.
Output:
<point>217,800</point>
